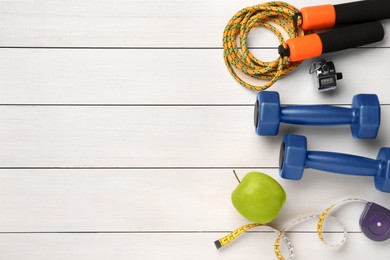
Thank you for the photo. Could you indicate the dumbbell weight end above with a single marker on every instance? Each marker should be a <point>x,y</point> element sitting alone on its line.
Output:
<point>294,158</point>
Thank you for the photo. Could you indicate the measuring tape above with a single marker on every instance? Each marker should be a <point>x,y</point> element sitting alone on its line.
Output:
<point>303,44</point>
<point>239,231</point>
<point>374,221</point>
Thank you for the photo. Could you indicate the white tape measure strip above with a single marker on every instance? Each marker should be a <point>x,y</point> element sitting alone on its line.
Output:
<point>281,233</point>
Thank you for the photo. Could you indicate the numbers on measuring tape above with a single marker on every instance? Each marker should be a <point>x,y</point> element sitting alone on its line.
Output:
<point>224,241</point>
<point>233,235</point>
<point>281,236</point>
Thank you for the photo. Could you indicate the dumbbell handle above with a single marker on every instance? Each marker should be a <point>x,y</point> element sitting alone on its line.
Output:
<point>316,115</point>
<point>326,16</point>
<point>342,163</point>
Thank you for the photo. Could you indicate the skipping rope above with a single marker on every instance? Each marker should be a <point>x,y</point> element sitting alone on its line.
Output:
<point>240,57</point>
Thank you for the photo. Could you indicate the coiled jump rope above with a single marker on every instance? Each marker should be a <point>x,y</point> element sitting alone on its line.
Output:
<point>241,24</point>
<point>362,28</point>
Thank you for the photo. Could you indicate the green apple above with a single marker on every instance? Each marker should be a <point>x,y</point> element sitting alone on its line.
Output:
<point>259,197</point>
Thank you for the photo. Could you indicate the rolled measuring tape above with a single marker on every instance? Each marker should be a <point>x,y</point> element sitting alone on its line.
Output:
<point>374,223</point>
<point>362,28</point>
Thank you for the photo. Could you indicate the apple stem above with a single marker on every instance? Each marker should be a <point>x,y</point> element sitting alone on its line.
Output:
<point>235,174</point>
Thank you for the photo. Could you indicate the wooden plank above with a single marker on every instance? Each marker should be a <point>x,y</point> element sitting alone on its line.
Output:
<point>186,200</point>
<point>123,23</point>
<point>157,136</point>
<point>61,165</point>
<point>176,246</point>
<point>42,76</point>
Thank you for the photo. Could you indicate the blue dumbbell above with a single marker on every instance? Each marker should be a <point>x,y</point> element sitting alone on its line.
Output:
<point>363,116</point>
<point>294,158</point>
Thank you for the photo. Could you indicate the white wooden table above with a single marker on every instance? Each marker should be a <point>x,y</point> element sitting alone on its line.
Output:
<point>120,127</point>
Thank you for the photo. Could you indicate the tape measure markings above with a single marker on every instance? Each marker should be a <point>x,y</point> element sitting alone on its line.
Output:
<point>281,234</point>
<point>224,241</point>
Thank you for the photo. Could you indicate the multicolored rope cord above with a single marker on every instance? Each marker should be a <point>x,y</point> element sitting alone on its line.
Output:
<point>240,57</point>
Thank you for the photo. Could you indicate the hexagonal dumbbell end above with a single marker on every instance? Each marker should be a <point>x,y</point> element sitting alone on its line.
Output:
<point>367,114</point>
<point>382,180</point>
<point>292,158</point>
<point>267,111</point>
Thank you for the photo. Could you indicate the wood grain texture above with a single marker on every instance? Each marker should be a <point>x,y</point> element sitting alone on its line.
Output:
<point>178,200</point>
<point>176,246</point>
<point>122,23</point>
<point>157,136</point>
<point>120,127</point>
<point>179,76</point>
